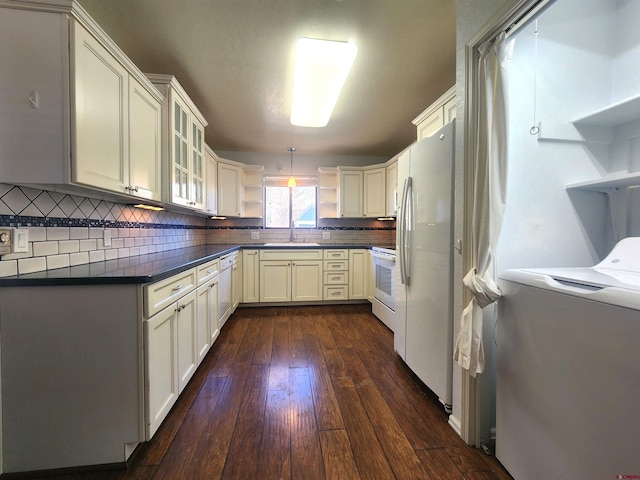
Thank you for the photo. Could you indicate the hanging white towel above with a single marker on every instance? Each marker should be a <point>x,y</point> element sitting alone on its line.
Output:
<point>469,351</point>
<point>489,198</point>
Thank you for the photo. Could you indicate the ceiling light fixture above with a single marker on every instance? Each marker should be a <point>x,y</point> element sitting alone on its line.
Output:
<point>321,69</point>
<point>292,181</point>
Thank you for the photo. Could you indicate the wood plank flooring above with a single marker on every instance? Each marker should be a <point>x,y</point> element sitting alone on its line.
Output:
<point>305,393</point>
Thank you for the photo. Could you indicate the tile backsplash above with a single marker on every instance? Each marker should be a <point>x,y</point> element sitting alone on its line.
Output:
<point>67,230</point>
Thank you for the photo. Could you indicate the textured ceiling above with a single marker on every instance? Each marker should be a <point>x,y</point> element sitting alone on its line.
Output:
<point>234,58</point>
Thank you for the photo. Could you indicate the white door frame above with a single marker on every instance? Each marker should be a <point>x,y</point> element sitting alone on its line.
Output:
<point>508,18</point>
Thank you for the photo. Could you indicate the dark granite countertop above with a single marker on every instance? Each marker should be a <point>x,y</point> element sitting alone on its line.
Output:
<point>141,269</point>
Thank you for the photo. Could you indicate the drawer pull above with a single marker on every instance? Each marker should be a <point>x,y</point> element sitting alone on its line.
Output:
<point>177,288</point>
<point>210,271</point>
<point>335,278</point>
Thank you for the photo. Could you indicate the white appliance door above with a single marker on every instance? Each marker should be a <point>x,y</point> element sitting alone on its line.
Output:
<point>567,384</point>
<point>429,323</point>
<point>400,294</point>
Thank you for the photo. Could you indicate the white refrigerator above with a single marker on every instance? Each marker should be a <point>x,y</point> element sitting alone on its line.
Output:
<point>424,334</point>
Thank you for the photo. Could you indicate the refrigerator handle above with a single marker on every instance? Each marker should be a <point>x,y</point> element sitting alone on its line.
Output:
<point>404,230</point>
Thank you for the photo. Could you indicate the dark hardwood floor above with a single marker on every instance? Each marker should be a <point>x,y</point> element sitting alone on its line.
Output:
<point>305,393</point>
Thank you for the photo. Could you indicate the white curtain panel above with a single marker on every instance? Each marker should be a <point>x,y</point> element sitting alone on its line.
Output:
<point>489,198</point>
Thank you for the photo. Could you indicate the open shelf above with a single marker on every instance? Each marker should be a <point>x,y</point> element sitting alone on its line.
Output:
<point>615,114</point>
<point>608,182</point>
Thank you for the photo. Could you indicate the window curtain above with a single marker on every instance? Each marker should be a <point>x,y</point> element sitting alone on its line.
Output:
<point>489,198</point>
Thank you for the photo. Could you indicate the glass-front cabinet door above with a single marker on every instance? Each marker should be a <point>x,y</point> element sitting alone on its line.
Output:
<point>197,166</point>
<point>180,186</point>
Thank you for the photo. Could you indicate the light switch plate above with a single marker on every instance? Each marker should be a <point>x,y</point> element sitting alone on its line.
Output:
<point>326,235</point>
<point>255,235</point>
<point>20,240</point>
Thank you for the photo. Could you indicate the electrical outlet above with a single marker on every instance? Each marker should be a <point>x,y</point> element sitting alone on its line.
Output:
<point>326,235</point>
<point>5,240</point>
<point>106,237</point>
<point>255,235</point>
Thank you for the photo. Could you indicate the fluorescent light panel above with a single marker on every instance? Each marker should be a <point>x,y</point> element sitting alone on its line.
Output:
<point>321,69</point>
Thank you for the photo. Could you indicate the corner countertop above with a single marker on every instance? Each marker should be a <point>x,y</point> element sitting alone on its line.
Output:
<point>140,269</point>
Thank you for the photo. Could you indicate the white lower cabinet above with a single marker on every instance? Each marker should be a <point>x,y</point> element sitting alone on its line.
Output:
<point>358,274</point>
<point>181,324</point>
<point>161,386</point>
<point>306,280</point>
<point>291,275</point>
<point>171,357</point>
<point>250,276</point>
<point>275,281</point>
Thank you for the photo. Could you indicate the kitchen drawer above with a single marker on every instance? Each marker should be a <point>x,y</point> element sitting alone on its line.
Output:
<point>335,254</point>
<point>207,271</point>
<point>336,292</point>
<point>163,293</point>
<point>336,265</point>
<point>336,278</point>
<point>295,254</point>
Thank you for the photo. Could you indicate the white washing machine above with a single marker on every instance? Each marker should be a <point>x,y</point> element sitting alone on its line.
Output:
<point>568,380</point>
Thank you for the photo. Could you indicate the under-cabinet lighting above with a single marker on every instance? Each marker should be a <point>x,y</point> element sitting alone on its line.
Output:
<point>216,217</point>
<point>385,219</point>
<point>321,68</point>
<point>149,207</point>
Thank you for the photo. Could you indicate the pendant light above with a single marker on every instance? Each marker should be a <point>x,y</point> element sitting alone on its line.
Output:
<point>292,181</point>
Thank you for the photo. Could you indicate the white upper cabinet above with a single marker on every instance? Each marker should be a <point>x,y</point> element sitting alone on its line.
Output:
<point>182,146</point>
<point>229,189</point>
<point>211,169</point>
<point>438,114</point>
<point>392,188</point>
<point>374,192</point>
<point>94,118</point>
<point>145,158</point>
<point>351,193</point>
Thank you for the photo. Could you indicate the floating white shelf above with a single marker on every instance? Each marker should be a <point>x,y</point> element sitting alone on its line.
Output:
<point>608,182</point>
<point>615,114</point>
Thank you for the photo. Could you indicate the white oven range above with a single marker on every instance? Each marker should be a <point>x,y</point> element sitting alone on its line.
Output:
<point>385,281</point>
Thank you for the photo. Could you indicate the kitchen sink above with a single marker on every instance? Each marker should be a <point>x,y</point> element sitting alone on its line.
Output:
<point>291,244</point>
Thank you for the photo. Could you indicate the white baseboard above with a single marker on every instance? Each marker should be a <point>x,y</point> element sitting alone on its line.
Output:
<point>454,422</point>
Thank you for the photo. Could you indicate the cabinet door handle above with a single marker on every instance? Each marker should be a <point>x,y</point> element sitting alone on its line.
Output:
<point>177,288</point>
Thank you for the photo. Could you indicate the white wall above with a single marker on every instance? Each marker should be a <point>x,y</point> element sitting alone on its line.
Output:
<point>581,59</point>
<point>626,72</point>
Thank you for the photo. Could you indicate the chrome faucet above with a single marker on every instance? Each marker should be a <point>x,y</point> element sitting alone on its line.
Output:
<point>292,237</point>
